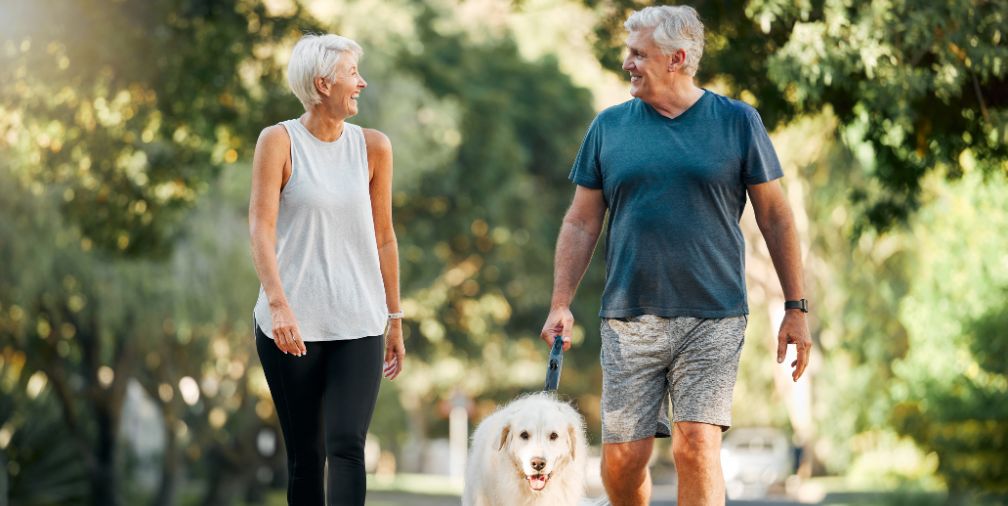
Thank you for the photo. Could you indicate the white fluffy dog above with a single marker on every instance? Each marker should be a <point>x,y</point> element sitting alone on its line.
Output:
<point>531,452</point>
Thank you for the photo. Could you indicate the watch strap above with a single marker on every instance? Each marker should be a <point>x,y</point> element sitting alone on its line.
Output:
<point>801,304</point>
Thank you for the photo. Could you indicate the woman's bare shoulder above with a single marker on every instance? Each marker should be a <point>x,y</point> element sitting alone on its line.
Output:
<point>377,142</point>
<point>274,136</point>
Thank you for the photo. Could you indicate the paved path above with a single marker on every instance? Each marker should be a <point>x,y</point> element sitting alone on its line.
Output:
<point>404,499</point>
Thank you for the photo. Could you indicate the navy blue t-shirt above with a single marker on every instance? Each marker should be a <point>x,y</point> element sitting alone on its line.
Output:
<point>675,189</point>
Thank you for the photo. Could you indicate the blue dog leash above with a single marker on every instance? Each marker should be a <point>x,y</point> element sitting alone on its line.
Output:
<point>555,365</point>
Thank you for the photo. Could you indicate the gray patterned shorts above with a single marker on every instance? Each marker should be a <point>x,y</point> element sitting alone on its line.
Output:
<point>648,361</point>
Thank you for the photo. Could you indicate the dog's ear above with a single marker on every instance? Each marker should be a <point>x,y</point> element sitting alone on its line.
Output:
<point>572,441</point>
<point>505,433</point>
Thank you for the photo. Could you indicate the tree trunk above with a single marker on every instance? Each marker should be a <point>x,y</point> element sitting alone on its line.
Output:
<point>228,481</point>
<point>957,497</point>
<point>4,482</point>
<point>169,464</point>
<point>104,479</point>
<point>107,405</point>
<point>415,450</point>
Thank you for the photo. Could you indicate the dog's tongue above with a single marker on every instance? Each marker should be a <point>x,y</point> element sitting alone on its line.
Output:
<point>537,482</point>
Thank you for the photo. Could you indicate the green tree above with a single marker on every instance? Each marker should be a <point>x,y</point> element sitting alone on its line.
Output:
<point>132,107</point>
<point>39,462</point>
<point>200,366</point>
<point>949,388</point>
<point>161,323</point>
<point>52,318</point>
<point>39,466</point>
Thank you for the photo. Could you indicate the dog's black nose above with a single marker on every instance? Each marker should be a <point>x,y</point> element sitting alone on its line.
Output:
<point>538,464</point>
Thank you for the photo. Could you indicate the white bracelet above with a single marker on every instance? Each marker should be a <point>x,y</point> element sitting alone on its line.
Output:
<point>395,316</point>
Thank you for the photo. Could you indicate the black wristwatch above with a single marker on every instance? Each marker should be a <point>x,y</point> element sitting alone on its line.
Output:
<point>801,304</point>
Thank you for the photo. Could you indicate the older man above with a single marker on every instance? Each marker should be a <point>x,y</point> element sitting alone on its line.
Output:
<point>673,166</point>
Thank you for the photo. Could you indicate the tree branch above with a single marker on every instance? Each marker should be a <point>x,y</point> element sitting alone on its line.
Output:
<point>980,98</point>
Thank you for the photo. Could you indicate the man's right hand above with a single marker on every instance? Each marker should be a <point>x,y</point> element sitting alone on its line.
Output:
<point>286,334</point>
<point>560,322</point>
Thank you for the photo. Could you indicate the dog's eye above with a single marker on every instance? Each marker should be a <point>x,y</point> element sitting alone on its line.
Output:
<point>524,434</point>
<point>553,436</point>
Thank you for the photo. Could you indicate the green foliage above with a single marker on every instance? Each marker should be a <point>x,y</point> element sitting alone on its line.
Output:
<point>922,83</point>
<point>967,426</point>
<point>198,330</point>
<point>966,421</point>
<point>43,456</point>
<point>37,455</point>
<point>477,266</point>
<point>916,85</point>
<point>130,108</point>
<point>989,340</point>
<point>910,326</point>
<point>87,324</point>
<point>856,288</point>
<point>949,389</point>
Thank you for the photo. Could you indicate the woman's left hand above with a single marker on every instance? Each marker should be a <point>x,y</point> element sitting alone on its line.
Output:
<point>395,351</point>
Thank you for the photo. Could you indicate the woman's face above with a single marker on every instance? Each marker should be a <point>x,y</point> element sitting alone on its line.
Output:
<point>344,87</point>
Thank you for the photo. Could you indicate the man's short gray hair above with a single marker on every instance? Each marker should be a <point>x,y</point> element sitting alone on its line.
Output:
<point>316,56</point>
<point>675,27</point>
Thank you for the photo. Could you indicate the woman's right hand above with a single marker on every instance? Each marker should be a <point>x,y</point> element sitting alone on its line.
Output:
<point>286,334</point>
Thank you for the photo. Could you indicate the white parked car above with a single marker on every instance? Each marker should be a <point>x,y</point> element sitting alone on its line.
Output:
<point>754,459</point>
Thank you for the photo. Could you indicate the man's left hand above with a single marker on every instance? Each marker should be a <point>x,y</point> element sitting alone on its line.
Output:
<point>794,330</point>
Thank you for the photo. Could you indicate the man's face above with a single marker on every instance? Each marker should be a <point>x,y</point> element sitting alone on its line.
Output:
<point>649,69</point>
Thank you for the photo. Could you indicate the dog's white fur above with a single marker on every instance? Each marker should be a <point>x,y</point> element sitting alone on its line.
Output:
<point>536,426</point>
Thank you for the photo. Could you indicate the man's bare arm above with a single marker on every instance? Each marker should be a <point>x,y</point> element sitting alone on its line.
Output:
<point>579,234</point>
<point>776,223</point>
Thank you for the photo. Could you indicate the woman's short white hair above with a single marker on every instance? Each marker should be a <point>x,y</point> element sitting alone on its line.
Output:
<point>316,56</point>
<point>675,27</point>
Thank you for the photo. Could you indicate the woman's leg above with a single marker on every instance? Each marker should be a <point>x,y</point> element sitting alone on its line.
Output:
<point>353,373</point>
<point>296,384</point>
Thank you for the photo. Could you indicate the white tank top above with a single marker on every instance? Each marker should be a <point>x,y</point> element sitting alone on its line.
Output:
<point>325,240</point>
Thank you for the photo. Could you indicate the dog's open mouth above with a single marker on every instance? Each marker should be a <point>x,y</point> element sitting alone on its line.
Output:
<point>537,482</point>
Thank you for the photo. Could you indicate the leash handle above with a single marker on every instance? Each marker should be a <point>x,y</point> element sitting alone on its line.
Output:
<point>555,365</point>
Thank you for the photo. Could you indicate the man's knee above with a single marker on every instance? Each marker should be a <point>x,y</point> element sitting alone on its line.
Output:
<point>626,459</point>
<point>695,443</point>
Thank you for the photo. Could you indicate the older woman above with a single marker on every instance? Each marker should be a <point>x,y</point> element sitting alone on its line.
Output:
<point>320,217</point>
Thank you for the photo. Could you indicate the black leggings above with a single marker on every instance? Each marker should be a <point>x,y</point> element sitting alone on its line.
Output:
<point>330,391</point>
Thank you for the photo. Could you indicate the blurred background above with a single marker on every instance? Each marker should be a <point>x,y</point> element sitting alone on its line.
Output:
<point>127,367</point>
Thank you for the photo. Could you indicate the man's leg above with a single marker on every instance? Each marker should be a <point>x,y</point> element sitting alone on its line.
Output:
<point>702,378</point>
<point>625,472</point>
<point>696,448</point>
<point>635,361</point>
